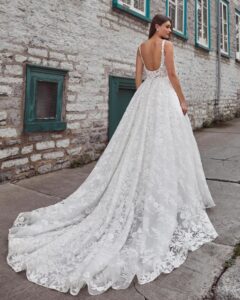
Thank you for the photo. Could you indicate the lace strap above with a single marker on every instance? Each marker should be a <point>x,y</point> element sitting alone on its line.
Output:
<point>141,54</point>
<point>163,55</point>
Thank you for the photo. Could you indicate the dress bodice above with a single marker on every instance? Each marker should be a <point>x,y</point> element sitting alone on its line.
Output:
<point>161,71</point>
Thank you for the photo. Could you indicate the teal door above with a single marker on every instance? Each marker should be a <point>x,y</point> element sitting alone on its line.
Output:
<point>121,91</point>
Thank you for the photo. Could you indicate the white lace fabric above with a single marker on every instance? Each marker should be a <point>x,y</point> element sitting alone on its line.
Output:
<point>139,212</point>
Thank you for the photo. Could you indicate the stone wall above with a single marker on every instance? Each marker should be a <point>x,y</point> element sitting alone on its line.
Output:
<point>92,41</point>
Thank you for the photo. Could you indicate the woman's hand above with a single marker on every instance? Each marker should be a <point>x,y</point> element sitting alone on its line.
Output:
<point>184,107</point>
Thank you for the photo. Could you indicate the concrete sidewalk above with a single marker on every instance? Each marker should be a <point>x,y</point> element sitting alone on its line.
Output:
<point>220,152</point>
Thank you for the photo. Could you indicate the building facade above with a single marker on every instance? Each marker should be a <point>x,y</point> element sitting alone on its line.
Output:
<point>68,67</point>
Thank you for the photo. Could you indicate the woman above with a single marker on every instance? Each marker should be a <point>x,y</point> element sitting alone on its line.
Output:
<point>141,209</point>
<point>160,29</point>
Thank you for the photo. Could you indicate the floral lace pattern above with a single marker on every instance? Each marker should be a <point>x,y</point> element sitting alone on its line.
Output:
<point>139,212</point>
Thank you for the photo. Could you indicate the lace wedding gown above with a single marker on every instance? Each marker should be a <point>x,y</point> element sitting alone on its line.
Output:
<point>139,212</point>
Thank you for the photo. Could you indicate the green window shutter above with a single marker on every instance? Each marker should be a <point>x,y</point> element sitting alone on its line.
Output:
<point>129,7</point>
<point>121,91</point>
<point>46,84</point>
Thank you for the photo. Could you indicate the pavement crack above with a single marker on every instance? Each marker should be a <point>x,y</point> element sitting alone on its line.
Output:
<point>223,159</point>
<point>212,293</point>
<point>134,284</point>
<point>37,192</point>
<point>229,132</point>
<point>226,159</point>
<point>228,264</point>
<point>224,180</point>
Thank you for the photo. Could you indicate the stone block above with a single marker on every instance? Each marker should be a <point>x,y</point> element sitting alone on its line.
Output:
<point>74,151</point>
<point>14,163</point>
<point>38,52</point>
<point>3,115</point>
<point>8,132</point>
<point>35,157</point>
<point>63,143</point>
<point>44,169</point>
<point>53,155</point>
<point>27,149</point>
<point>5,90</point>
<point>45,145</point>
<point>8,152</point>
<point>14,70</point>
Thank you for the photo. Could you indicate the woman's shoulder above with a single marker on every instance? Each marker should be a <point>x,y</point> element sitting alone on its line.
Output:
<point>143,43</point>
<point>169,43</point>
<point>168,46</point>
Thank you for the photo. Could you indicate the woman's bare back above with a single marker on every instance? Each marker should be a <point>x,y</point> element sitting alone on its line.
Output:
<point>151,54</point>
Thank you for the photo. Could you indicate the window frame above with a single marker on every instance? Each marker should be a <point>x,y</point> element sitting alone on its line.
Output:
<point>197,42</point>
<point>183,34</point>
<point>224,53</point>
<point>237,14</point>
<point>119,5</point>
<point>35,73</point>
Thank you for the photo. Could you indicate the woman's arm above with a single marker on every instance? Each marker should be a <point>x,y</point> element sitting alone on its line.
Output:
<point>139,70</point>
<point>169,62</point>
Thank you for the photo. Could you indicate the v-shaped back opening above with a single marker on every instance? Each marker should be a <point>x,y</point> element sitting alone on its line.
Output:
<point>161,57</point>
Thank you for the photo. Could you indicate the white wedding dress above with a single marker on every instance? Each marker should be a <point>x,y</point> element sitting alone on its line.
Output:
<point>139,212</point>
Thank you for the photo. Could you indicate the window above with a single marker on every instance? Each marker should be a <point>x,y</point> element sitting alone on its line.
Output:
<point>202,23</point>
<point>139,8</point>
<point>43,101</point>
<point>177,11</point>
<point>237,35</point>
<point>224,26</point>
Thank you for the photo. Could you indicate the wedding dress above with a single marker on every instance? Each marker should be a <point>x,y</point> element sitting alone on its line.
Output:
<point>139,212</point>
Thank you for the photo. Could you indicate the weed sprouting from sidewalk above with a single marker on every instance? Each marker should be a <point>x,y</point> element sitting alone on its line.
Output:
<point>236,252</point>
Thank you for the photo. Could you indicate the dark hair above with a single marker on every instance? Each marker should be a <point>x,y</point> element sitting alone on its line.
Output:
<point>157,19</point>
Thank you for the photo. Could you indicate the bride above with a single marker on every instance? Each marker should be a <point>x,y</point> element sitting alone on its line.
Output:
<point>142,207</point>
